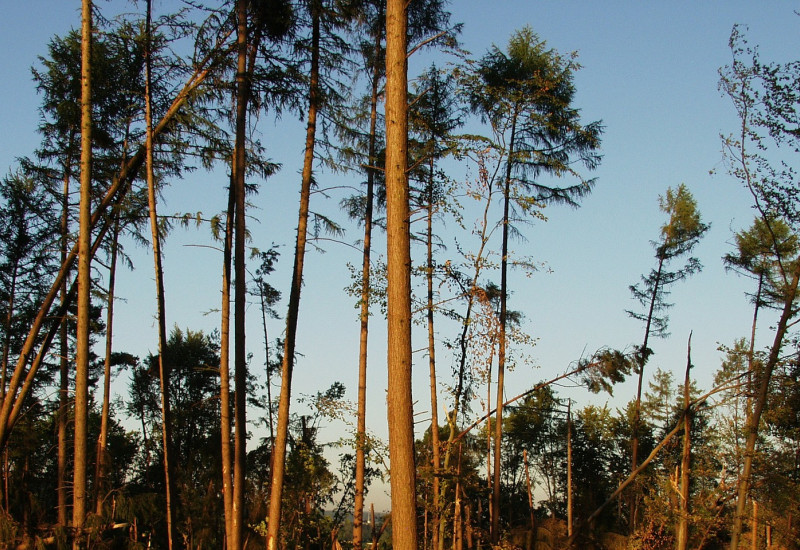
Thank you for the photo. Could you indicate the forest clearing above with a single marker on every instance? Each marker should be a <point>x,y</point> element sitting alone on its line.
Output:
<point>314,274</point>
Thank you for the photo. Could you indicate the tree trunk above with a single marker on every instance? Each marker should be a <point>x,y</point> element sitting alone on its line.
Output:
<point>634,495</point>
<point>569,472</point>
<point>435,458</point>
<point>361,427</point>
<point>163,367</point>
<point>400,409</point>
<point>282,429</point>
<point>501,348</point>
<point>224,371</point>
<point>63,388</point>
<point>79,485</point>
<point>240,290</point>
<point>686,458</point>
<point>102,459</point>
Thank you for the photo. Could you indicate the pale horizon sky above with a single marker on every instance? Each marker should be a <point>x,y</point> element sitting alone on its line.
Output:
<point>649,72</point>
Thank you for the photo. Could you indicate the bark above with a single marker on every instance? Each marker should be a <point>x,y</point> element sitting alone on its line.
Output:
<point>361,422</point>
<point>163,367</point>
<point>80,458</point>
<point>400,410</point>
<point>282,428</point>
<point>569,472</point>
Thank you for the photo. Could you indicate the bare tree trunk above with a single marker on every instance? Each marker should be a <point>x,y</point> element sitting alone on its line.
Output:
<point>686,457</point>
<point>64,362</point>
<point>569,472</point>
<point>225,387</point>
<point>102,458</point>
<point>224,371</point>
<point>400,408</point>
<point>282,431</point>
<point>163,367</point>
<point>79,485</point>
<point>240,290</point>
<point>361,427</point>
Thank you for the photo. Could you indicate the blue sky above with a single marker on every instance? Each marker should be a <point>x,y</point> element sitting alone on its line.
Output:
<point>649,72</point>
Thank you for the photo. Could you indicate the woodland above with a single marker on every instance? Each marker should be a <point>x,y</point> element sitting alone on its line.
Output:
<point>204,448</point>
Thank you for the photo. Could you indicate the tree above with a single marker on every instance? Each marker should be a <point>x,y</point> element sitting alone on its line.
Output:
<point>526,94</point>
<point>678,237</point>
<point>764,96</point>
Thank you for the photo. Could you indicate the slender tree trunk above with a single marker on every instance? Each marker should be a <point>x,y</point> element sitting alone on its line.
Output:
<point>79,485</point>
<point>637,412</point>
<point>400,405</point>
<point>224,371</point>
<point>501,349</point>
<point>760,403</point>
<point>163,367</point>
<point>102,458</point>
<point>435,445</point>
<point>268,374</point>
<point>361,427</point>
<point>282,429</point>
<point>686,458</point>
<point>64,362</point>
<point>569,472</point>
<point>530,490</point>
<point>240,290</point>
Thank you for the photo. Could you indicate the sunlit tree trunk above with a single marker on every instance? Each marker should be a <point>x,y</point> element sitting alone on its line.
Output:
<point>400,405</point>
<point>282,428</point>
<point>80,458</point>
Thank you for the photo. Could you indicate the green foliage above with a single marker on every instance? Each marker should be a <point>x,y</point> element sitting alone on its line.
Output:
<point>678,236</point>
<point>526,94</point>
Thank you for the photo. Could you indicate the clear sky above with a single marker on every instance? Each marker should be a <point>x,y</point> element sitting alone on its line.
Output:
<point>649,72</point>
